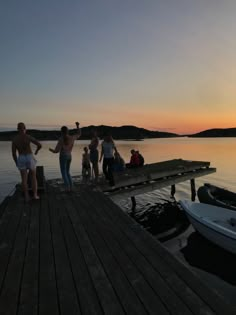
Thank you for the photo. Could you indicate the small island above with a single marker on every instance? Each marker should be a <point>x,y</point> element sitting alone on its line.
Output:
<point>118,133</point>
<point>216,132</point>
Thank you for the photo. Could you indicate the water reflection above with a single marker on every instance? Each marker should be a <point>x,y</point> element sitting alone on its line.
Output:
<point>203,254</point>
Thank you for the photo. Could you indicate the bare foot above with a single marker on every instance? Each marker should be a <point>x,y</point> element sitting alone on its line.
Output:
<point>36,197</point>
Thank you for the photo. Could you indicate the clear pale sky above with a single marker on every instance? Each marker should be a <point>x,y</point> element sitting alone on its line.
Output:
<point>167,65</point>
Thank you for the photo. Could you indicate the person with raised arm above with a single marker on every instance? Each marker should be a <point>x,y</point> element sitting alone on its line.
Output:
<point>24,159</point>
<point>64,148</point>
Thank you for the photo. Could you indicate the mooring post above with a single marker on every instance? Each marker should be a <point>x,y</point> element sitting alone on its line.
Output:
<point>172,193</point>
<point>193,189</point>
<point>133,200</point>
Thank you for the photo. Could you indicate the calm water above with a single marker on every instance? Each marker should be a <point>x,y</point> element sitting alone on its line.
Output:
<point>221,152</point>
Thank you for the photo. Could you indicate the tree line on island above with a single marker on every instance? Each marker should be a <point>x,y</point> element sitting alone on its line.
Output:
<point>122,133</point>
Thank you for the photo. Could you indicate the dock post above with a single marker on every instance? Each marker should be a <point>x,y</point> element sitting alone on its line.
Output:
<point>133,200</point>
<point>193,189</point>
<point>172,190</point>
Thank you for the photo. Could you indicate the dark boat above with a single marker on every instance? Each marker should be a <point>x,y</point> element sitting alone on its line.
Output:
<point>217,196</point>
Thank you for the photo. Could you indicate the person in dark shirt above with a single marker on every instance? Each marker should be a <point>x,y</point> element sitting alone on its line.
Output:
<point>141,158</point>
<point>134,160</point>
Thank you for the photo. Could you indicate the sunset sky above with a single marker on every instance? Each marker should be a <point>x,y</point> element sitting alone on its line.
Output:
<point>167,65</point>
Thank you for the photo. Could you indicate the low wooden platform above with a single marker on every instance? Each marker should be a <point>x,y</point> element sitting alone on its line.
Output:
<point>132,182</point>
<point>79,253</point>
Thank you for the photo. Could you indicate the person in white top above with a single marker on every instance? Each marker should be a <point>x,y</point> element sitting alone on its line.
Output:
<point>107,153</point>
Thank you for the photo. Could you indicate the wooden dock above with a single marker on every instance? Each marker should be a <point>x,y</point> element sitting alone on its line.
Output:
<point>79,253</point>
<point>132,182</point>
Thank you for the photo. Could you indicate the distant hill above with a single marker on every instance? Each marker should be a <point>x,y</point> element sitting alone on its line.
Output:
<point>123,132</point>
<point>217,132</point>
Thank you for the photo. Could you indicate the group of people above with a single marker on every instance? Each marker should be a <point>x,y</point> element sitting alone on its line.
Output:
<point>112,160</point>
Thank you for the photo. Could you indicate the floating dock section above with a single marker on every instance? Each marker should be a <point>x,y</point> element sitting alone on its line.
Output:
<point>155,176</point>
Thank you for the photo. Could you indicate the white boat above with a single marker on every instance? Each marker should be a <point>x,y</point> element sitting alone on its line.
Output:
<point>215,223</point>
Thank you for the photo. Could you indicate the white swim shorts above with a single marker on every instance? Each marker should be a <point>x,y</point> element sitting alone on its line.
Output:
<point>26,162</point>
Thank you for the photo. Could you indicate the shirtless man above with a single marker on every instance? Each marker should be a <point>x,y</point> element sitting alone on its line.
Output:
<point>25,160</point>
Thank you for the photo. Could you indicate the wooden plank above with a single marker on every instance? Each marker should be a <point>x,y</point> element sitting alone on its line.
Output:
<point>4,205</point>
<point>12,281</point>
<point>194,292</point>
<point>135,266</point>
<point>10,208</point>
<point>158,184</point>
<point>157,170</point>
<point>28,301</point>
<point>124,290</point>
<point>48,295</point>
<point>168,281</point>
<point>105,292</point>
<point>8,236</point>
<point>87,295</point>
<point>65,283</point>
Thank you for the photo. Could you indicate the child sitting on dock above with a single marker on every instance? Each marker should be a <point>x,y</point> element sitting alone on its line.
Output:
<point>134,160</point>
<point>86,167</point>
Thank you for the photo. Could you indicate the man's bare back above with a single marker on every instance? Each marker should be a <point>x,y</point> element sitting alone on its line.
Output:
<point>24,160</point>
<point>22,144</point>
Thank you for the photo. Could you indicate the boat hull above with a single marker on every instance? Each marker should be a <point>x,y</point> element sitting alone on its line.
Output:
<point>217,196</point>
<point>213,223</point>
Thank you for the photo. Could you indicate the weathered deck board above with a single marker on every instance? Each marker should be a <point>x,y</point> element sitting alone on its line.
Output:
<point>114,269</point>
<point>80,254</point>
<point>89,302</point>
<point>135,181</point>
<point>12,258</point>
<point>158,170</point>
<point>160,276</point>
<point>134,265</point>
<point>28,299</point>
<point>148,186</point>
<point>186,284</point>
<point>67,296</point>
<point>107,297</point>
<point>48,295</point>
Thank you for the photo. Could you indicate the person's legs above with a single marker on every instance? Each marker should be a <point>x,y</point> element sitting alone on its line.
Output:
<point>69,179</point>
<point>110,163</point>
<point>89,173</point>
<point>94,160</point>
<point>24,177</point>
<point>95,169</point>
<point>63,168</point>
<point>84,173</point>
<point>105,168</point>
